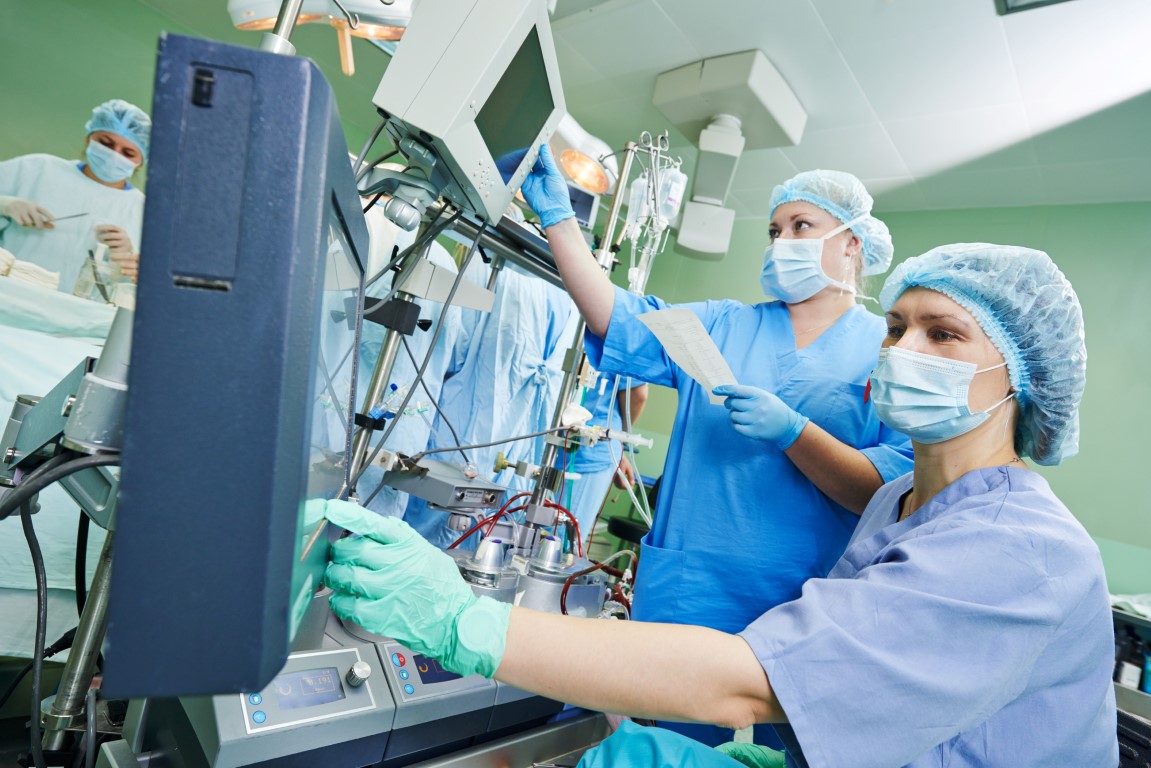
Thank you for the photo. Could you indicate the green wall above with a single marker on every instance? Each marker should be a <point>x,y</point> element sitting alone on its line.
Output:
<point>59,58</point>
<point>1103,251</point>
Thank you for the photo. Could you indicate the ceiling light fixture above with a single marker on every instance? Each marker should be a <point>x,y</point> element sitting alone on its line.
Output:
<point>375,20</point>
<point>587,162</point>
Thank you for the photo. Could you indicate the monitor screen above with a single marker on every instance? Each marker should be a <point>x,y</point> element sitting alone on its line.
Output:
<point>521,103</point>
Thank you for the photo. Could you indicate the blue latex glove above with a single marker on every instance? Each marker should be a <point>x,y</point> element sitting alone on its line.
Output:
<point>392,582</point>
<point>753,755</point>
<point>545,190</point>
<point>761,415</point>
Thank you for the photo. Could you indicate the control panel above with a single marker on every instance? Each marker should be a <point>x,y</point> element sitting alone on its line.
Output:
<point>312,686</point>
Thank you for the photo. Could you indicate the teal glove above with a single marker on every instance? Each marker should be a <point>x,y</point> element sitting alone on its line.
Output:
<point>545,190</point>
<point>392,582</point>
<point>761,415</point>
<point>754,755</point>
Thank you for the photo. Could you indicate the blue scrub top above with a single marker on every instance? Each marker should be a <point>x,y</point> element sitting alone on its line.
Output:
<point>977,632</point>
<point>738,528</point>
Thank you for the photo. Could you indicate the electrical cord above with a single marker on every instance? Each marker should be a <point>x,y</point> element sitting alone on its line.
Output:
<point>427,358</point>
<point>50,473</point>
<point>433,231</point>
<point>502,441</point>
<point>356,166</point>
<point>367,167</point>
<point>63,643</point>
<point>81,572</point>
<point>41,628</point>
<point>436,405</point>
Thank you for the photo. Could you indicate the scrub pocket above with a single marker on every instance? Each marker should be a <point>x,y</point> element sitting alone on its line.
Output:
<point>659,583</point>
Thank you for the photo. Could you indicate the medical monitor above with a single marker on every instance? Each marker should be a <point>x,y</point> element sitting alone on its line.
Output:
<point>241,385</point>
<point>477,83</point>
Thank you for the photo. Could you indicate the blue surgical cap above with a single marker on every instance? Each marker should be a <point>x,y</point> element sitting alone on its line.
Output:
<point>844,197</point>
<point>1032,315</point>
<point>123,119</point>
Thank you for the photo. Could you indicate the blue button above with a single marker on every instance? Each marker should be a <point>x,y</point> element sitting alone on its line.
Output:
<point>404,674</point>
<point>408,689</point>
<point>398,659</point>
<point>255,699</point>
<point>259,716</point>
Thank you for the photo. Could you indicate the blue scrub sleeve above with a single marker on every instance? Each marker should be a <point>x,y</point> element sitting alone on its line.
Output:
<point>890,635</point>
<point>893,457</point>
<point>630,349</point>
<point>643,747</point>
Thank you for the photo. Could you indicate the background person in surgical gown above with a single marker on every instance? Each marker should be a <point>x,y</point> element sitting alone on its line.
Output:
<point>36,190</point>
<point>504,383</point>
<point>604,464</point>
<point>967,624</point>
<point>760,496</point>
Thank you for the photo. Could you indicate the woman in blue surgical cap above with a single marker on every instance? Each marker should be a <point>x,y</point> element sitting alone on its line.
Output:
<point>967,624</point>
<point>761,492</point>
<point>56,210</point>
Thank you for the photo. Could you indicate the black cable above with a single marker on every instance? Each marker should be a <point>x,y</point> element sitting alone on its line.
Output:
<point>369,166</point>
<point>90,730</point>
<point>432,232</point>
<point>82,563</point>
<point>436,405</point>
<point>41,626</point>
<point>367,145</point>
<point>373,201</point>
<point>46,475</point>
<point>15,684</point>
<point>428,357</point>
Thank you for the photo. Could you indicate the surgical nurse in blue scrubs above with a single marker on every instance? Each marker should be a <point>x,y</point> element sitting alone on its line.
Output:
<point>967,624</point>
<point>763,494</point>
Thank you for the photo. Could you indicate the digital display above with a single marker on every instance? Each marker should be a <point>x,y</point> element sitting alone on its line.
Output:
<point>309,688</point>
<point>513,115</point>
<point>431,672</point>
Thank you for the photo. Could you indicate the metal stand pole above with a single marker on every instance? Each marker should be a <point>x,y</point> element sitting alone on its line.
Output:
<point>80,667</point>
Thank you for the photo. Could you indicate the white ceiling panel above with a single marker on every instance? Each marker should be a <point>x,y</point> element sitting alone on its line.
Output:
<point>933,103</point>
<point>917,57</point>
<point>865,150</point>
<point>933,143</point>
<point>762,169</point>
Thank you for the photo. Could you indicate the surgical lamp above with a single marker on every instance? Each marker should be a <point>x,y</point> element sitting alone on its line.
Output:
<point>369,19</point>
<point>587,161</point>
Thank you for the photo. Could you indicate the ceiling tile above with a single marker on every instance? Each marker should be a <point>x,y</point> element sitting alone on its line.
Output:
<point>793,37</point>
<point>1119,131</point>
<point>1086,54</point>
<point>931,143</point>
<point>917,58</point>
<point>864,150</point>
<point>762,169</point>
<point>614,37</point>
<point>897,194</point>
<point>575,69</point>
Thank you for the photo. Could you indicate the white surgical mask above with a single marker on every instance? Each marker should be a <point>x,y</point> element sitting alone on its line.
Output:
<point>793,267</point>
<point>108,164</point>
<point>925,396</point>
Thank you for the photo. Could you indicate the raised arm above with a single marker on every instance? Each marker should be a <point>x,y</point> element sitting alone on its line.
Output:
<point>593,293</point>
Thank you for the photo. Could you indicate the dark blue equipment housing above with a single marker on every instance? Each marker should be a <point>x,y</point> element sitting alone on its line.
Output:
<point>242,375</point>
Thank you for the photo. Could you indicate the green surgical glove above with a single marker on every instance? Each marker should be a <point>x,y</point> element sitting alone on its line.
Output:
<point>754,755</point>
<point>392,582</point>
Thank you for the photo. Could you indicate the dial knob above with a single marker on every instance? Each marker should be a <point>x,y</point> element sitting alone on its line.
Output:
<point>359,672</point>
